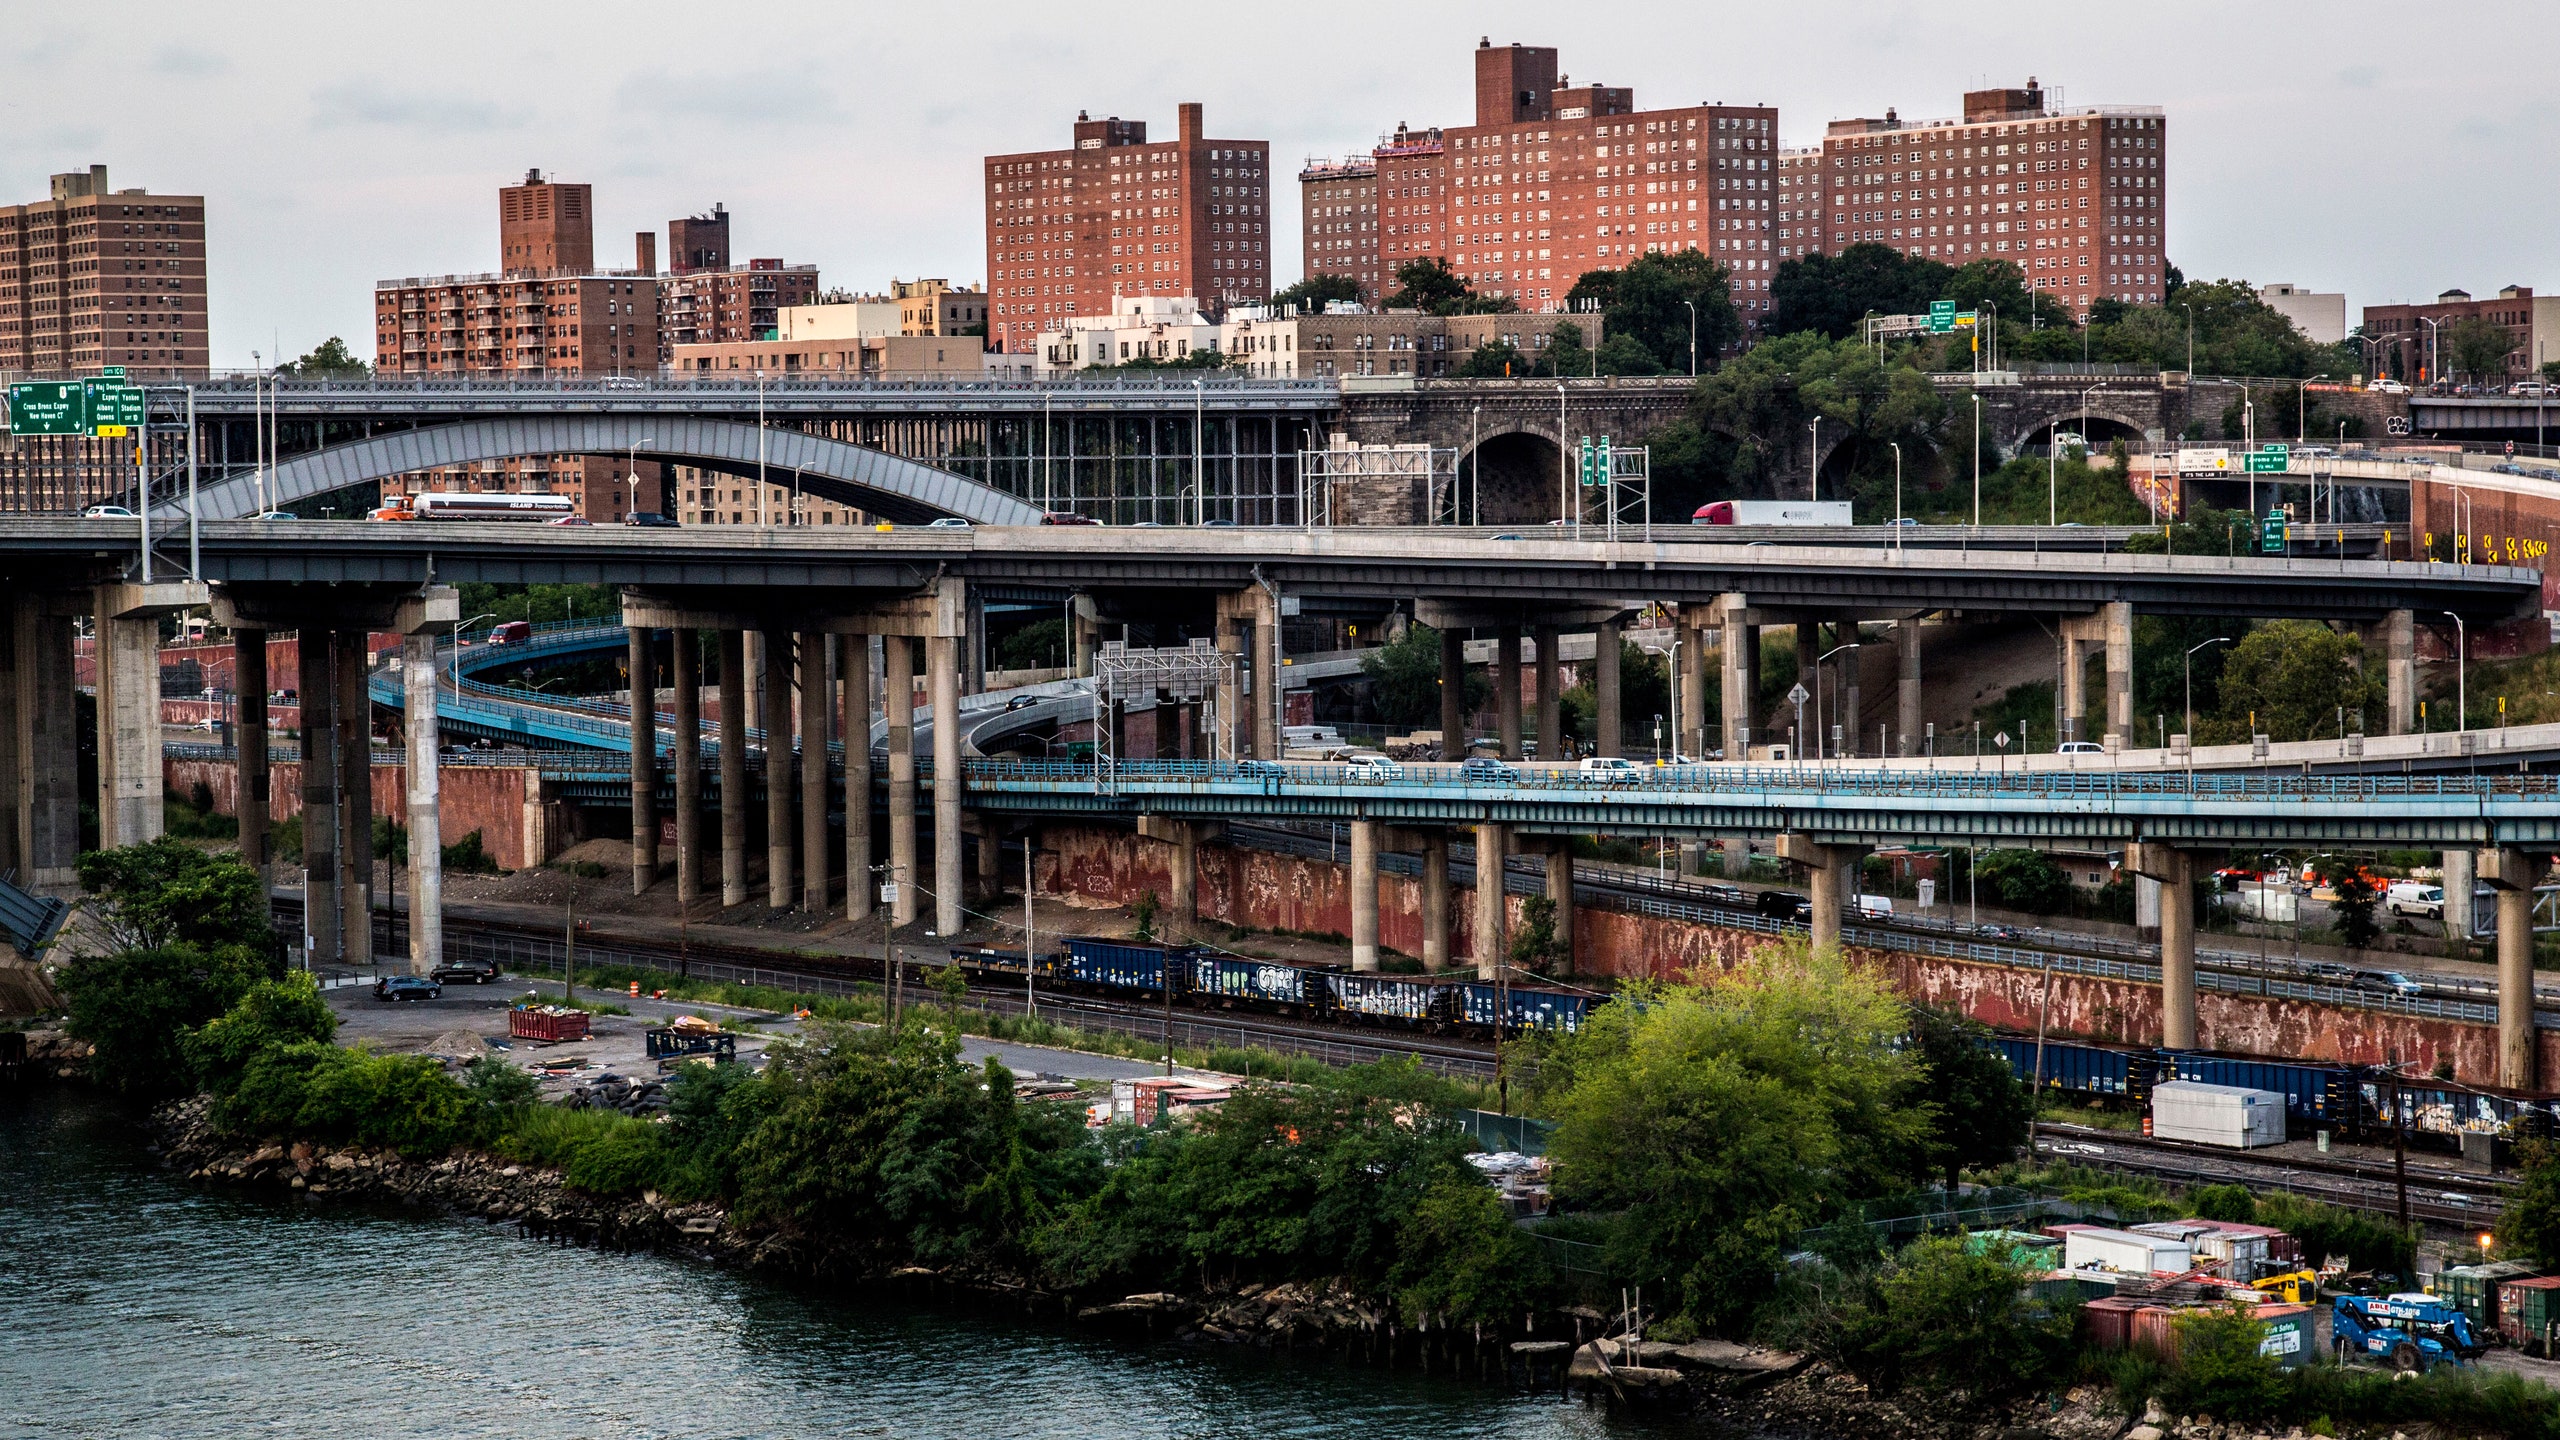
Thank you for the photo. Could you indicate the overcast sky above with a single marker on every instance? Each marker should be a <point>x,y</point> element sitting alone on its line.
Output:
<point>2360,146</point>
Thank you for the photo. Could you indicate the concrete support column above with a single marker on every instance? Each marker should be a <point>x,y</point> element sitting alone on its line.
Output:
<point>316,688</point>
<point>1084,637</point>
<point>1453,695</point>
<point>1831,876</point>
<point>1493,932</point>
<point>1550,697</point>
<point>1269,704</point>
<point>816,872</point>
<point>2461,896</point>
<point>2175,871</point>
<point>2075,687</point>
<point>854,672</point>
<point>687,761</point>
<point>2116,618</point>
<point>942,680</point>
<point>1435,900</point>
<point>642,661</point>
<point>1364,894</point>
<point>2146,908</point>
<point>251,799</point>
<point>733,768</point>
<point>1183,906</point>
<point>129,765</point>
<point>1234,737</point>
<point>901,706</point>
<point>756,661</point>
<point>1608,726</point>
<point>426,817</point>
<point>1560,891</point>
<point>1737,859</point>
<point>1506,688</point>
<point>46,723</point>
<point>781,884</point>
<point>2513,873</point>
<point>1907,709</point>
<point>2399,673</point>
<point>990,876</point>
<point>355,796</point>
<point>1740,680</point>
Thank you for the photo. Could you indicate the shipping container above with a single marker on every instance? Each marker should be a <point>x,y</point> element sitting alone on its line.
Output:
<point>2123,1250</point>
<point>2238,1252</point>
<point>2155,1331</point>
<point>2529,1311</point>
<point>2473,1289</point>
<point>2228,1115</point>
<point>1389,998</point>
<point>2107,1323</point>
<point>2064,1286</point>
<point>2292,1334</point>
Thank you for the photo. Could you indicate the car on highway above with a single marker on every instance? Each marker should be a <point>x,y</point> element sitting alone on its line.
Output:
<point>276,515</point>
<point>1998,934</point>
<point>1261,769</point>
<point>1485,770</point>
<point>2079,747</point>
<point>2390,980</point>
<point>1370,767</point>
<point>1784,905</point>
<point>622,382</point>
<point>949,522</point>
<point>1731,897</point>
<point>650,520</point>
<point>1610,770</point>
<point>1066,517</point>
<point>2386,387</point>
<point>406,987</point>
<point>478,972</point>
<point>107,512</point>
<point>572,520</point>
<point>2415,897</point>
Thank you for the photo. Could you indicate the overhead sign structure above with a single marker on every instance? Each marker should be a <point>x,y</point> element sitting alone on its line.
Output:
<point>48,407</point>
<point>2271,533</point>
<point>112,403</point>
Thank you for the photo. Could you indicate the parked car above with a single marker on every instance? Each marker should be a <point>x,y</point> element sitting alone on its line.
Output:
<point>478,972</point>
<point>650,520</point>
<point>1610,770</point>
<point>106,512</point>
<point>1371,767</point>
<point>2415,897</point>
<point>406,987</point>
<point>1485,770</point>
<point>949,522</point>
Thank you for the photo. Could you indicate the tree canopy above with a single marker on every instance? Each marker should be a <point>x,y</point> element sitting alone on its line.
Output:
<point>2295,677</point>
<point>329,361</point>
<point>1646,304</point>
<point>1404,676</point>
<point>1430,286</point>
<point>1312,292</point>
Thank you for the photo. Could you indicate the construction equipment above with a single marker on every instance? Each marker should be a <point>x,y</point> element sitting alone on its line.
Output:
<point>2298,1287</point>
<point>2409,1331</point>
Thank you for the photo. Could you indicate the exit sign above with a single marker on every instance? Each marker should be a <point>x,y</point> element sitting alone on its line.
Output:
<point>48,407</point>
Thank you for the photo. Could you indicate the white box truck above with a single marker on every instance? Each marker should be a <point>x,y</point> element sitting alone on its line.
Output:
<point>1772,512</point>
<point>2228,1115</point>
<point>2123,1251</point>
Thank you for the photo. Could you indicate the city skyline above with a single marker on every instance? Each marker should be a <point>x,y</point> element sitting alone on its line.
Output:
<point>2281,159</point>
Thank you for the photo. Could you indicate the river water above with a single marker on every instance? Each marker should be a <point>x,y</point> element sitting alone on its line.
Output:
<point>137,1304</point>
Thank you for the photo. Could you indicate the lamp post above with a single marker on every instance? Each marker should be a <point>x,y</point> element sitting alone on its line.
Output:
<point>1048,453</point>
<point>1693,337</point>
<point>458,627</point>
<point>1475,469</point>
<point>2190,308</point>
<point>631,472</point>
<point>1817,459</point>
<point>764,496</point>
<point>1199,451</point>
<point>2461,672</point>
<point>1897,494</point>
<point>1977,459</point>
<point>2435,362</point>
<point>1564,461</point>
<point>1819,661</point>
<point>2188,665</point>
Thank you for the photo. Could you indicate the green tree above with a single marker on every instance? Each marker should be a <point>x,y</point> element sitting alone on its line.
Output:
<point>1493,360</point>
<point>1940,1320</point>
<point>2025,880</point>
<point>1404,679</point>
<point>2477,347</point>
<point>1037,646</point>
<point>2529,1228</point>
<point>1831,295</point>
<point>1430,286</point>
<point>329,362</point>
<point>2222,1367</point>
<point>1981,1109</point>
<point>2297,678</point>
<point>1536,946</point>
<point>1647,303</point>
<point>1143,912</point>
<point>2233,1203</point>
<point>2359,891</point>
<point>1313,292</point>
<point>1717,1120</point>
<point>269,1014</point>
<point>167,893</point>
<point>139,1006</point>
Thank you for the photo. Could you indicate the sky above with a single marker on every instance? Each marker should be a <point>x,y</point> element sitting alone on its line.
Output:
<point>2370,148</point>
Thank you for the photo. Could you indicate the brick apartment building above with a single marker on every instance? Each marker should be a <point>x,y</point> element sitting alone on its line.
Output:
<point>2401,333</point>
<point>2074,197</point>
<point>1338,223</point>
<point>936,307</point>
<point>552,311</point>
<point>1069,231</point>
<point>1555,179</point>
<point>95,276</point>
<point>1797,221</point>
<point>730,305</point>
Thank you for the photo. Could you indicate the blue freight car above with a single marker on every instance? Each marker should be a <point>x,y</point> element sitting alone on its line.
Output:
<point>2082,1069</point>
<point>1523,1007</point>
<point>1120,966</point>
<point>1389,999</point>
<point>1261,983</point>
<point>2314,1094</point>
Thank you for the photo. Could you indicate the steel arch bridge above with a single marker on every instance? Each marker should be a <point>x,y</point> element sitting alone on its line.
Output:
<point>886,485</point>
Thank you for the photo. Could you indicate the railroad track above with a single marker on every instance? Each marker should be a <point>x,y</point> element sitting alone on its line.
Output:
<point>2436,1195</point>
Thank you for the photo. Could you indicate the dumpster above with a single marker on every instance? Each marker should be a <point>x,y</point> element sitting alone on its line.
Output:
<point>554,1023</point>
<point>2528,1311</point>
<point>2291,1336</point>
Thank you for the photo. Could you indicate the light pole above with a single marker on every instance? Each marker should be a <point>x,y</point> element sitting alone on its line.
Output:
<point>2302,407</point>
<point>1897,494</point>
<point>1817,459</point>
<point>2188,665</point>
<point>458,627</point>
<point>1819,661</point>
<point>1564,462</point>
<point>2435,362</point>
<point>1977,459</point>
<point>631,472</point>
<point>1693,337</point>
<point>1475,469</point>
<point>1199,451</point>
<point>1048,453</point>
<point>2461,673</point>
<point>2190,307</point>
<point>764,496</point>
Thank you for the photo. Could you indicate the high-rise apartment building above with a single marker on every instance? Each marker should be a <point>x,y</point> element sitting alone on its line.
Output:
<point>1554,179</point>
<point>2074,198</point>
<point>94,276</point>
<point>699,242</point>
<point>731,305</point>
<point>1796,223</point>
<point>550,312</point>
<point>1338,222</point>
<point>1068,231</point>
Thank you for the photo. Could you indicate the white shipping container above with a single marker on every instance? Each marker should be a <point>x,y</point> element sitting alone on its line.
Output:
<point>2124,1251</point>
<point>2230,1115</point>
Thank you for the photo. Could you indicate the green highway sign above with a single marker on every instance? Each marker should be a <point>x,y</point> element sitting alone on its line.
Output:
<point>2271,531</point>
<point>110,372</point>
<point>2263,463</point>
<point>2275,448</point>
<point>111,402</point>
<point>1595,461</point>
<point>48,407</point>
<point>1942,316</point>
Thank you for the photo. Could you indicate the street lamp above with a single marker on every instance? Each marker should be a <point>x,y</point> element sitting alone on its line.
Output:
<point>1199,452</point>
<point>2435,362</point>
<point>631,472</point>
<point>2461,673</point>
<point>764,496</point>
<point>1852,728</point>
<point>1977,459</point>
<point>2188,665</point>
<point>1897,493</point>
<point>1475,468</point>
<point>1693,337</point>
<point>1817,459</point>
<point>458,627</point>
<point>2190,307</point>
<point>1564,462</point>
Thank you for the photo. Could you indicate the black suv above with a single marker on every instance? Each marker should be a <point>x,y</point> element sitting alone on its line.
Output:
<point>478,972</point>
<point>650,520</point>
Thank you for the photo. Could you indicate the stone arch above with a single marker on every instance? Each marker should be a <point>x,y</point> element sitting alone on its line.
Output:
<point>886,485</point>
<point>2106,424</point>
<point>1516,467</point>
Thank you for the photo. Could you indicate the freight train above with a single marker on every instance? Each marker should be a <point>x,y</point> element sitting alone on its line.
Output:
<point>2352,1099</point>
<point>1210,979</point>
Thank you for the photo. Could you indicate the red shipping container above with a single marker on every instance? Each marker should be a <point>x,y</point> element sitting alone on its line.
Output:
<point>547,1024</point>
<point>2107,1323</point>
<point>2153,1332</point>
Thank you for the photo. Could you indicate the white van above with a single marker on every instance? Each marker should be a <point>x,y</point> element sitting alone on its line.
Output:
<point>1610,770</point>
<point>2415,897</point>
<point>1876,906</point>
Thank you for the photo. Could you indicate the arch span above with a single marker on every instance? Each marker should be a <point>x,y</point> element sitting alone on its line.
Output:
<point>887,485</point>
<point>1510,478</point>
